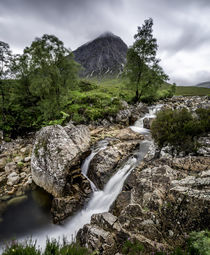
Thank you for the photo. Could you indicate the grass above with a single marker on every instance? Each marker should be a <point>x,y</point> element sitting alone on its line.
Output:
<point>191,91</point>
<point>118,88</point>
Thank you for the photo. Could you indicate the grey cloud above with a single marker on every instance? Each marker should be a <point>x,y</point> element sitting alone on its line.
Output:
<point>192,36</point>
<point>75,22</point>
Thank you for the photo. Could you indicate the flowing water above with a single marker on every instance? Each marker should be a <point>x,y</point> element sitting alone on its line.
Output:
<point>101,200</point>
<point>101,145</point>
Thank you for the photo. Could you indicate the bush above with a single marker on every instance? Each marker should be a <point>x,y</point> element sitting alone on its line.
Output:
<point>92,105</point>
<point>199,243</point>
<point>179,129</point>
<point>86,85</point>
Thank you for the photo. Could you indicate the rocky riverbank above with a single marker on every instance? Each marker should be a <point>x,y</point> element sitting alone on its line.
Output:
<point>15,172</point>
<point>162,201</point>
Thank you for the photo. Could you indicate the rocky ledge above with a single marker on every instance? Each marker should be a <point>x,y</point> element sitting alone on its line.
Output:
<point>161,203</point>
<point>121,144</point>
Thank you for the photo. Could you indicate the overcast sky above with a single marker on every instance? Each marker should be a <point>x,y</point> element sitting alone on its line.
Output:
<point>182,28</point>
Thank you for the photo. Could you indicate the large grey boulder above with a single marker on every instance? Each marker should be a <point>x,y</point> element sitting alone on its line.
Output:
<point>55,151</point>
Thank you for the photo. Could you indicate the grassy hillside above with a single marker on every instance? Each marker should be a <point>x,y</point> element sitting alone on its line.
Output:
<point>117,87</point>
<point>192,91</point>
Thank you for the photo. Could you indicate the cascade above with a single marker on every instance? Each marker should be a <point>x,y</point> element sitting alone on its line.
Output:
<point>101,200</point>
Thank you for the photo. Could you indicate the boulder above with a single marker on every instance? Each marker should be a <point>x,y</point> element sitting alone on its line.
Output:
<point>56,150</point>
<point>123,116</point>
<point>105,163</point>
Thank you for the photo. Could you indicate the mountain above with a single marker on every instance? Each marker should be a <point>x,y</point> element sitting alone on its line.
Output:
<point>103,56</point>
<point>204,84</point>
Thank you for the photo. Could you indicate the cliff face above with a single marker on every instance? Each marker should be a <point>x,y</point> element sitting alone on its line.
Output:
<point>104,56</point>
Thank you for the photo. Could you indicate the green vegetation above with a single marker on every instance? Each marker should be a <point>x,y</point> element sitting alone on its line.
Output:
<point>41,87</point>
<point>180,129</point>
<point>191,91</point>
<point>197,244</point>
<point>142,68</point>
<point>52,248</point>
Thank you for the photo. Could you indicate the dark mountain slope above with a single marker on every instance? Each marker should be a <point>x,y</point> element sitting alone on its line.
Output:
<point>204,84</point>
<point>104,56</point>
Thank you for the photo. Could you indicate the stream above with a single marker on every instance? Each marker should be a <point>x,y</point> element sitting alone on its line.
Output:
<point>101,200</point>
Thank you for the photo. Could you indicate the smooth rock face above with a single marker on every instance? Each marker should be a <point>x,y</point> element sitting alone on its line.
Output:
<point>55,151</point>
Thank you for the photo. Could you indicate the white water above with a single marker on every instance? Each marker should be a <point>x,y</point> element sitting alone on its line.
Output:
<point>85,166</point>
<point>139,124</point>
<point>101,200</point>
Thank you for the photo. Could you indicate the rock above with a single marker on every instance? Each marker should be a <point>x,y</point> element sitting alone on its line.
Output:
<point>3,162</point>
<point>148,122</point>
<point>17,159</point>
<point>104,220</point>
<point>62,207</point>
<point>96,238</point>
<point>16,200</point>
<point>12,179</point>
<point>189,163</point>
<point>27,159</point>
<point>126,134</point>
<point>55,151</point>
<point>123,116</point>
<point>124,105</point>
<point>104,164</point>
<point>10,167</point>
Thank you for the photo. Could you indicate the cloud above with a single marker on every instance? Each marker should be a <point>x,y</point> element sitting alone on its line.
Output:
<point>181,27</point>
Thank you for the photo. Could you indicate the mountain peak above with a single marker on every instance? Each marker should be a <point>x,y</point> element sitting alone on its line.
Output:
<point>107,34</point>
<point>103,56</point>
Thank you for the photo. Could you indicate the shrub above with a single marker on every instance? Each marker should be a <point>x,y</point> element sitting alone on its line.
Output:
<point>199,243</point>
<point>92,105</point>
<point>177,128</point>
<point>86,85</point>
<point>204,117</point>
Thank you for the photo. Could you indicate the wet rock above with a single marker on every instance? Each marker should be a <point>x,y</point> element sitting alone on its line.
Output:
<point>16,200</point>
<point>79,190</point>
<point>126,134</point>
<point>148,122</point>
<point>55,151</point>
<point>104,164</point>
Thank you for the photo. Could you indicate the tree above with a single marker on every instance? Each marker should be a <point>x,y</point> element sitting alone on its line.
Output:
<point>142,67</point>
<point>46,72</point>
<point>5,61</point>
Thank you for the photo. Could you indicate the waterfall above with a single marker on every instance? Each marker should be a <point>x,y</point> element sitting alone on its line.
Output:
<point>139,124</point>
<point>101,200</point>
<point>101,145</point>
